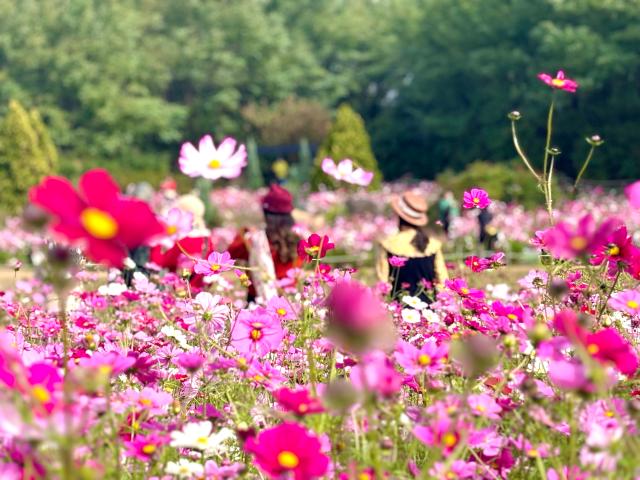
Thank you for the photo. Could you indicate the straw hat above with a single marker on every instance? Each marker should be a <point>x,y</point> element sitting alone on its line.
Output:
<point>411,207</point>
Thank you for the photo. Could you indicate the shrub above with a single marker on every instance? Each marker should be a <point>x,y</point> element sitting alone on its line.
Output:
<point>347,138</point>
<point>509,182</point>
<point>26,155</point>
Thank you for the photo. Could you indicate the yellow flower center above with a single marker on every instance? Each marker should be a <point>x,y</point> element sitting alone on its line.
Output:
<point>512,316</point>
<point>424,359</point>
<point>312,250</point>
<point>578,243</point>
<point>481,408</point>
<point>202,441</point>
<point>449,439</point>
<point>288,459</point>
<point>215,267</point>
<point>105,369</point>
<point>632,304</point>
<point>146,402</point>
<point>476,200</point>
<point>215,163</point>
<point>256,334</point>
<point>281,311</point>
<point>303,407</point>
<point>364,476</point>
<point>614,251</point>
<point>533,452</point>
<point>171,229</point>
<point>557,82</point>
<point>464,291</point>
<point>135,426</point>
<point>450,475</point>
<point>609,413</point>
<point>98,224</point>
<point>148,449</point>
<point>593,348</point>
<point>41,394</point>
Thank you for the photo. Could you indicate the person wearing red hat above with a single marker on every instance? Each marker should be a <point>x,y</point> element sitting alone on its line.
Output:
<point>411,259</point>
<point>272,252</point>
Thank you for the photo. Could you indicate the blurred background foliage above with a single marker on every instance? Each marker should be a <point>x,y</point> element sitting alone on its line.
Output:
<point>121,83</point>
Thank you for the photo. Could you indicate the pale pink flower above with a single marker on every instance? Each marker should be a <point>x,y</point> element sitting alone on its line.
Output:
<point>416,360</point>
<point>210,162</point>
<point>627,301</point>
<point>484,405</point>
<point>346,172</point>
<point>214,264</point>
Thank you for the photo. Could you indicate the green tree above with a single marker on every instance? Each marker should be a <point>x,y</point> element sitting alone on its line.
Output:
<point>45,141</point>
<point>347,138</point>
<point>255,179</point>
<point>23,162</point>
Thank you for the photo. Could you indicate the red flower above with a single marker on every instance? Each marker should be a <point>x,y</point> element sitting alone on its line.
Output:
<point>288,449</point>
<point>106,223</point>
<point>314,247</point>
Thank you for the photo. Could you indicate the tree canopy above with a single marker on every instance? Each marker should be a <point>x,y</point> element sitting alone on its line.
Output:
<point>433,79</point>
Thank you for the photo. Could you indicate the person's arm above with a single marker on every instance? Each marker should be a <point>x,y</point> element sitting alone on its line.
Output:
<point>382,264</point>
<point>441,269</point>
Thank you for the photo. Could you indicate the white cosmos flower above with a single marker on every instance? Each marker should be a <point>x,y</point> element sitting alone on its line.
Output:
<point>176,334</point>
<point>199,437</point>
<point>112,289</point>
<point>183,468</point>
<point>414,302</point>
<point>411,316</point>
<point>430,315</point>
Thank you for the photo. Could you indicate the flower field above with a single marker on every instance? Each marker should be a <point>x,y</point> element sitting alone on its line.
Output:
<point>131,351</point>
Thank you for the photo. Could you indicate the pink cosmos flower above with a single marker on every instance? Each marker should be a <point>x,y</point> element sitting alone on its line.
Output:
<point>178,224</point>
<point>441,432</point>
<point>608,346</point>
<point>214,264</point>
<point>632,193</point>
<point>560,81</point>
<point>282,308</point>
<point>569,242</point>
<point>105,223</point>
<point>288,450</point>
<point>627,301</point>
<point>477,264</point>
<point>484,405</point>
<point>210,162</point>
<point>619,252</point>
<point>190,361</point>
<point>111,363</point>
<point>458,469</point>
<point>256,331</point>
<point>376,374</point>
<point>476,198</point>
<point>459,286</point>
<point>144,447</point>
<point>396,261</point>
<point>314,247</point>
<point>416,360</point>
<point>345,171</point>
<point>298,401</point>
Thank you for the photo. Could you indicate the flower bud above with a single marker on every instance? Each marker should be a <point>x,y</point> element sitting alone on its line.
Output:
<point>554,151</point>
<point>595,140</point>
<point>514,116</point>
<point>34,218</point>
<point>539,333</point>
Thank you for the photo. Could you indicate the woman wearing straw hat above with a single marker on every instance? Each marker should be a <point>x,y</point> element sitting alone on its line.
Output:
<point>424,268</point>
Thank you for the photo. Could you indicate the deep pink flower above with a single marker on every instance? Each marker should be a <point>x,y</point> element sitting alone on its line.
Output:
<point>106,223</point>
<point>618,251</point>
<point>396,261</point>
<point>375,374</point>
<point>288,449</point>
<point>569,242</point>
<point>560,82</point>
<point>459,286</point>
<point>144,447</point>
<point>210,162</point>
<point>314,247</point>
<point>256,331</point>
<point>441,432</point>
<point>427,358</point>
<point>608,346</point>
<point>190,361</point>
<point>214,264</point>
<point>476,198</point>
<point>298,401</point>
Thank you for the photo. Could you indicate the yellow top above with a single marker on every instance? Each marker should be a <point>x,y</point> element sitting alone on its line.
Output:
<point>401,246</point>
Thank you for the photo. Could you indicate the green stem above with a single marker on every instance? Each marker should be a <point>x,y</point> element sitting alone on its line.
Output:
<point>520,151</point>
<point>548,141</point>
<point>584,167</point>
<point>606,300</point>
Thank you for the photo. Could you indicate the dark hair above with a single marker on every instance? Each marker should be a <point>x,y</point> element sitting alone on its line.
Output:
<point>280,234</point>
<point>421,238</point>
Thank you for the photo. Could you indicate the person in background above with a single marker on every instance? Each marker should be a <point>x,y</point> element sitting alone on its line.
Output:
<point>424,269</point>
<point>448,210</point>
<point>487,232</point>
<point>271,252</point>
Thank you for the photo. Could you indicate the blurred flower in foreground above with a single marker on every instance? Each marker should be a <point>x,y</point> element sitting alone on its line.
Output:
<point>210,162</point>
<point>560,81</point>
<point>346,172</point>
<point>568,242</point>
<point>288,451</point>
<point>632,193</point>
<point>105,222</point>
<point>476,198</point>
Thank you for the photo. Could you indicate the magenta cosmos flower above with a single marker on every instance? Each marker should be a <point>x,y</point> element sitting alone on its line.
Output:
<point>568,242</point>
<point>397,262</point>
<point>288,450</point>
<point>210,162</point>
<point>560,81</point>
<point>106,223</point>
<point>476,198</point>
<point>214,264</point>
<point>256,331</point>
<point>346,172</point>
<point>314,247</point>
<point>429,358</point>
<point>299,401</point>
